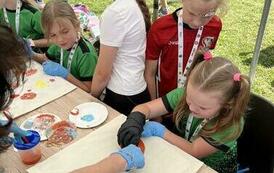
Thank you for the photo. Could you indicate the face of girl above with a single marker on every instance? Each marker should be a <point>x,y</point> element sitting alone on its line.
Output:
<point>63,33</point>
<point>203,104</point>
<point>2,2</point>
<point>198,12</point>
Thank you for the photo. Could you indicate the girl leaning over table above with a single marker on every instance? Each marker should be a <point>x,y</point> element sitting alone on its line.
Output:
<point>208,114</point>
<point>71,56</point>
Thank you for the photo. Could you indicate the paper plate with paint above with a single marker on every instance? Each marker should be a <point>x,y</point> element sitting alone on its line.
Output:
<point>40,123</point>
<point>88,115</point>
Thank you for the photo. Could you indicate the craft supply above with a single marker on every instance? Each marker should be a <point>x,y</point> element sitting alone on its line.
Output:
<point>40,123</point>
<point>30,152</point>
<point>88,115</point>
<point>35,89</point>
<point>61,133</point>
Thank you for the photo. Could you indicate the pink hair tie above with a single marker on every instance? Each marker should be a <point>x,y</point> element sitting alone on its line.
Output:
<point>207,56</point>
<point>237,77</point>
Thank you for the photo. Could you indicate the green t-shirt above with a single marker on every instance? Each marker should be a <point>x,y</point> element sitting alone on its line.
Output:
<point>29,23</point>
<point>83,62</point>
<point>224,160</point>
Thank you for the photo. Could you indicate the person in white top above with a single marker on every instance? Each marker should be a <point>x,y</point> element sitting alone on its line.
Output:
<point>120,67</point>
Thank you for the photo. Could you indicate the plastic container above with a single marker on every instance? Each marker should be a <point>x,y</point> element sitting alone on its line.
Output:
<point>30,152</point>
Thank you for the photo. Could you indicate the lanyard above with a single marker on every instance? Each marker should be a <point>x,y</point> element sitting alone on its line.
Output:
<point>181,76</point>
<point>70,57</point>
<point>197,130</point>
<point>17,15</point>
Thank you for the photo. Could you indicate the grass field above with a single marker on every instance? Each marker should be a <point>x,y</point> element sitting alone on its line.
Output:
<point>237,39</point>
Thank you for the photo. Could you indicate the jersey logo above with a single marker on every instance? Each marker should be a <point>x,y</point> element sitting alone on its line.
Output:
<point>207,42</point>
<point>172,43</point>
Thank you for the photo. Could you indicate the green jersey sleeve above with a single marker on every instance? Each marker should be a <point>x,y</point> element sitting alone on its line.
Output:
<point>172,99</point>
<point>87,66</point>
<point>36,25</point>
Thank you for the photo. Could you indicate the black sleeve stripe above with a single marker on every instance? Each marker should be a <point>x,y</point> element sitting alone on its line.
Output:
<point>29,7</point>
<point>166,103</point>
<point>83,46</point>
<point>215,144</point>
<point>86,78</point>
<point>50,57</point>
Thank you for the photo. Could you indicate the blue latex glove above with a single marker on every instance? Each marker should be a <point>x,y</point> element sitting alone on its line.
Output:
<point>153,128</point>
<point>55,69</point>
<point>17,131</point>
<point>133,155</point>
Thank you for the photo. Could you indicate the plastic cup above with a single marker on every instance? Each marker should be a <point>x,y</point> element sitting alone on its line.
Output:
<point>30,152</point>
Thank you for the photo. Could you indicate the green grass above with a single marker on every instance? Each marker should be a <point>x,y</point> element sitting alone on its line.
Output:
<point>237,39</point>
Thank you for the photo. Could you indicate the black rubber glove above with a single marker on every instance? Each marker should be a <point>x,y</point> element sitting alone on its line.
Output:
<point>131,130</point>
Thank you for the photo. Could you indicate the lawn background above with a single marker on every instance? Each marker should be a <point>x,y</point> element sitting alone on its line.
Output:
<point>237,39</point>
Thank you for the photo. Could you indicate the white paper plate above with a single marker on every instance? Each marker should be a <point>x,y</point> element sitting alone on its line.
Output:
<point>88,115</point>
<point>40,123</point>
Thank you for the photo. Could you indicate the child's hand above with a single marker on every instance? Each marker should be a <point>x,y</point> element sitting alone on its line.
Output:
<point>17,131</point>
<point>55,69</point>
<point>131,130</point>
<point>153,128</point>
<point>133,155</point>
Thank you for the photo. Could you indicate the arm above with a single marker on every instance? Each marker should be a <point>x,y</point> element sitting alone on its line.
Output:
<point>125,159</point>
<point>55,69</point>
<point>41,42</point>
<point>38,57</point>
<point>84,85</point>
<point>199,148</point>
<point>103,69</point>
<point>150,77</point>
<point>152,109</point>
<point>112,164</point>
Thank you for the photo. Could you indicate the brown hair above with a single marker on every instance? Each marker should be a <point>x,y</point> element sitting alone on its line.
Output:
<point>143,7</point>
<point>32,3</point>
<point>13,59</point>
<point>217,75</point>
<point>56,10</point>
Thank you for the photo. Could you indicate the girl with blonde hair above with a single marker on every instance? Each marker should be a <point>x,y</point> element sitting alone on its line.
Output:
<point>71,56</point>
<point>208,114</point>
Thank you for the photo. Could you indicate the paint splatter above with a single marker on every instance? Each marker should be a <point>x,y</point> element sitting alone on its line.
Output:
<point>74,111</point>
<point>52,80</point>
<point>61,133</point>
<point>40,84</point>
<point>87,118</point>
<point>12,96</point>
<point>28,96</point>
<point>43,121</point>
<point>30,72</point>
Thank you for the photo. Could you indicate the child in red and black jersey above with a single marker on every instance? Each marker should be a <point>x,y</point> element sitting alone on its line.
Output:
<point>195,27</point>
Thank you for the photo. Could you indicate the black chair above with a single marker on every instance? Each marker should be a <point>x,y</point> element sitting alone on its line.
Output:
<point>256,143</point>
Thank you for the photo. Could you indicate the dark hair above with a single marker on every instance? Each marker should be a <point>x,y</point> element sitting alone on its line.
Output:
<point>13,59</point>
<point>143,7</point>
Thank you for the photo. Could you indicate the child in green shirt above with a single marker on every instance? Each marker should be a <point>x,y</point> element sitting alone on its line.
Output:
<point>207,114</point>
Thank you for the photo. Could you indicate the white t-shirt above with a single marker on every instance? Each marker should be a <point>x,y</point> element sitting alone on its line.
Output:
<point>122,25</point>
